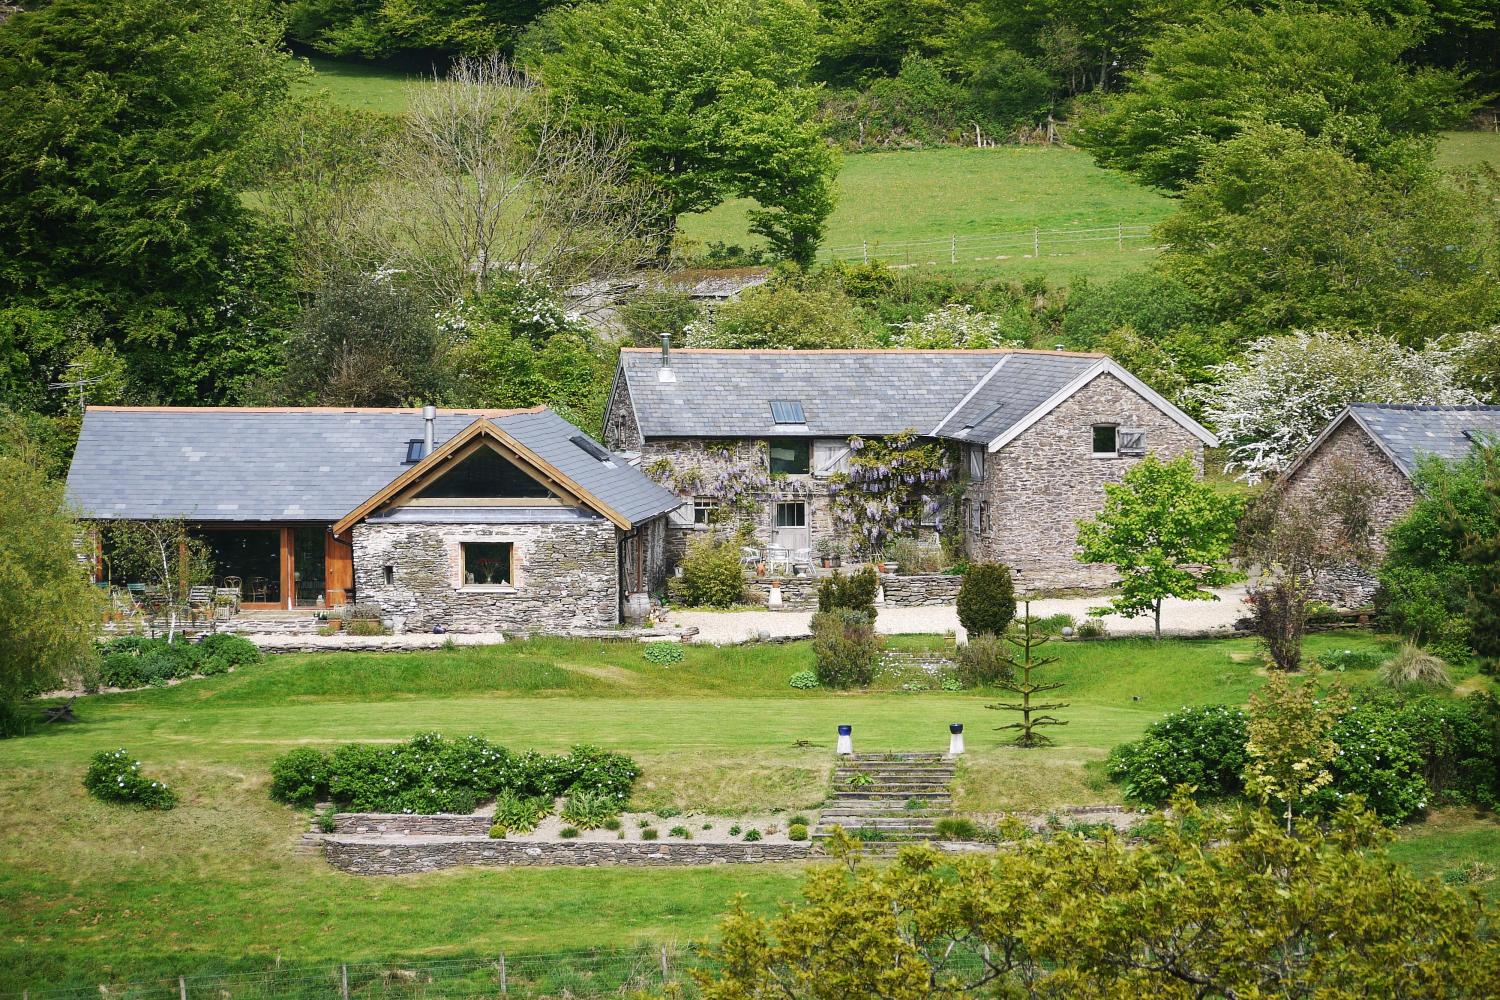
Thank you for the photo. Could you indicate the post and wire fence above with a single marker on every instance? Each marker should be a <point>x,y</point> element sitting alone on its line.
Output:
<point>955,249</point>
<point>581,975</point>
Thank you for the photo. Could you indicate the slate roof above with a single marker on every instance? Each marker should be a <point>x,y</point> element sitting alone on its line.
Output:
<point>1015,388</point>
<point>728,393</point>
<point>1406,433</point>
<point>299,464</point>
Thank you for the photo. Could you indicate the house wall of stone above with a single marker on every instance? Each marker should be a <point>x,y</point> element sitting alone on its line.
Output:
<point>1349,447</point>
<point>1039,486</point>
<point>566,576</point>
<point>646,560</point>
<point>621,433</point>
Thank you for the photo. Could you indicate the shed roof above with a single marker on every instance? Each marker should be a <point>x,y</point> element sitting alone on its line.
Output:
<point>299,463</point>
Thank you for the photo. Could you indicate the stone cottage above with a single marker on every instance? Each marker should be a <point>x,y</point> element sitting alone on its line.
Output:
<point>1383,444</point>
<point>466,520</point>
<point>1035,435</point>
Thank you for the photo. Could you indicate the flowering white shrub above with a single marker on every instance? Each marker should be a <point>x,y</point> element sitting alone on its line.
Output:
<point>1268,406</point>
<point>953,326</point>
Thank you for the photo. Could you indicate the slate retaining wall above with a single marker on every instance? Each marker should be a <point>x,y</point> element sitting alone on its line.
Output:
<point>917,591</point>
<point>380,856</point>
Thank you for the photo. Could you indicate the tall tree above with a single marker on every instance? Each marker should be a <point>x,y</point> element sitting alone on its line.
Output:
<point>1167,533</point>
<point>714,97</point>
<point>1339,76</point>
<point>130,127</point>
<point>48,610</point>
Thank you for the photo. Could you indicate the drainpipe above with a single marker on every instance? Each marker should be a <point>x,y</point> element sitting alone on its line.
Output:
<point>665,372</point>
<point>429,429</point>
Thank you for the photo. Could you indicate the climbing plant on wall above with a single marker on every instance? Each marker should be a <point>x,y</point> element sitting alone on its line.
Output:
<point>891,485</point>
<point>737,479</point>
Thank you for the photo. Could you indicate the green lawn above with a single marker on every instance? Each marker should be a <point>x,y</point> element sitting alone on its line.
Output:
<point>361,85</point>
<point>96,892</point>
<point>1469,149</point>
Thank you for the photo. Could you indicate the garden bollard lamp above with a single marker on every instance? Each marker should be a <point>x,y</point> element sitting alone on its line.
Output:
<point>956,739</point>
<point>846,741</point>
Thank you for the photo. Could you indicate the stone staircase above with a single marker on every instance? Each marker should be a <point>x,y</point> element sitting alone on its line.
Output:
<point>905,795</point>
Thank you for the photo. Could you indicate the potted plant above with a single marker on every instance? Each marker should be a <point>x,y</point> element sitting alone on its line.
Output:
<point>836,554</point>
<point>825,549</point>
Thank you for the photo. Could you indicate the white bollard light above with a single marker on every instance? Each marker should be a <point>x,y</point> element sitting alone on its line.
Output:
<point>956,739</point>
<point>960,635</point>
<point>774,601</point>
<point>846,741</point>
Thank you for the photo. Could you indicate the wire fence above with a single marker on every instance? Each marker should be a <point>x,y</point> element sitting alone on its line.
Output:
<point>957,249</point>
<point>579,975</point>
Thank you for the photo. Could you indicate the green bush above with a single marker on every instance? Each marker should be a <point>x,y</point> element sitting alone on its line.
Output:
<point>986,599</point>
<point>712,576</point>
<point>680,831</point>
<point>1413,667</point>
<point>800,820</point>
<point>845,645</point>
<point>498,831</point>
<point>1092,628</point>
<point>752,835</point>
<point>521,813</point>
<point>797,831</point>
<point>955,828</point>
<point>300,777</point>
<point>850,593</point>
<point>589,809</point>
<point>663,654</point>
<point>224,651</point>
<point>1377,760</point>
<point>113,777</point>
<point>803,680</point>
<point>1351,659</point>
<point>613,823</point>
<point>568,832</point>
<point>982,662</point>
<point>648,833</point>
<point>1202,746</point>
<point>121,670</point>
<point>366,627</point>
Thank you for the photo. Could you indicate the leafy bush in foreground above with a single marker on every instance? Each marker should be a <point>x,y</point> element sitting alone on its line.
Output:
<point>712,576</point>
<point>845,645</point>
<point>429,774</point>
<point>113,777</point>
<point>131,661</point>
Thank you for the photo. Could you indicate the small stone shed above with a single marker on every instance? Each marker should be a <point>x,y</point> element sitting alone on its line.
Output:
<point>465,520</point>
<point>1384,443</point>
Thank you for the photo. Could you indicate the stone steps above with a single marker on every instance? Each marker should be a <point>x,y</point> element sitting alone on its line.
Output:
<point>880,805</point>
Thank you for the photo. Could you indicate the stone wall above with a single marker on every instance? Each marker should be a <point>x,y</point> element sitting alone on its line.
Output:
<point>917,591</point>
<point>566,576</point>
<point>1349,449</point>
<point>1037,488</point>
<point>621,433</point>
<point>380,856</point>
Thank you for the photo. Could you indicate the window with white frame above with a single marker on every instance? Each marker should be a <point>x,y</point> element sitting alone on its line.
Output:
<point>705,510</point>
<point>1106,440</point>
<point>791,515</point>
<point>976,463</point>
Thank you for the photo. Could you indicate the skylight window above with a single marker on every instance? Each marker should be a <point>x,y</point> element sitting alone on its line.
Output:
<point>593,450</point>
<point>787,411</point>
<point>413,451</point>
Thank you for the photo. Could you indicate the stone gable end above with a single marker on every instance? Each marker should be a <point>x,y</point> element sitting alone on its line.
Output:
<point>1350,443</point>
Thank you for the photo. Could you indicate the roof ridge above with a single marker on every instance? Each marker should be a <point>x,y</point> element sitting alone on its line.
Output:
<point>961,351</point>
<point>477,411</point>
<point>1430,407</point>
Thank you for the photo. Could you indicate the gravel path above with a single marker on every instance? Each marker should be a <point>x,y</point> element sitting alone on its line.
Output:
<point>1177,618</point>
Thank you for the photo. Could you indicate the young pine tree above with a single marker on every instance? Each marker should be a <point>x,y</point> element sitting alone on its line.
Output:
<point>1025,637</point>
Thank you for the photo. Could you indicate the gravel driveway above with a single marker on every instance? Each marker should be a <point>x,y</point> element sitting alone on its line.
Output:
<point>1177,618</point>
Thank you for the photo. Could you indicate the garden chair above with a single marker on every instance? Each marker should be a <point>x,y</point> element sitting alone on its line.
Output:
<point>779,555</point>
<point>749,556</point>
<point>802,561</point>
<point>137,592</point>
<point>260,590</point>
<point>200,602</point>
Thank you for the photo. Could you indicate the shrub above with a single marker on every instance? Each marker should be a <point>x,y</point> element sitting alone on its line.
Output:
<point>803,680</point>
<point>224,651</point>
<point>680,831</point>
<point>367,627</point>
<point>648,833</point>
<point>1456,742</point>
<point>913,557</point>
<point>612,823</point>
<point>520,813</point>
<point>588,768</point>
<point>325,820</point>
<point>1202,746</point>
<point>845,645</point>
<point>983,662</point>
<point>711,573</point>
<point>734,830</point>
<point>752,835</point>
<point>1092,628</point>
<point>986,599</point>
<point>955,828</point>
<point>797,831</point>
<point>1378,760</point>
<point>121,670</point>
<point>1053,624</point>
<point>568,832</point>
<point>498,831</point>
<point>113,777</point>
<point>850,593</point>
<point>799,820</point>
<point>589,809</point>
<point>1278,617</point>
<point>300,777</point>
<point>664,654</point>
<point>1413,667</point>
<point>1351,659</point>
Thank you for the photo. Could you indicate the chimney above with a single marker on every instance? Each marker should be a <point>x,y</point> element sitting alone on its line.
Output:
<point>429,429</point>
<point>665,372</point>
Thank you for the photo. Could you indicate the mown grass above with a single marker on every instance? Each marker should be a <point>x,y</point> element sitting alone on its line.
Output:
<point>96,892</point>
<point>1469,149</point>
<point>363,86</point>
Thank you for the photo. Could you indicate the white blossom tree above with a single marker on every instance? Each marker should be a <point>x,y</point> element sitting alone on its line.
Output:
<point>953,326</point>
<point>1268,406</point>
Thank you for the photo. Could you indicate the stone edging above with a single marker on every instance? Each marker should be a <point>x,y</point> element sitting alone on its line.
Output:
<point>359,855</point>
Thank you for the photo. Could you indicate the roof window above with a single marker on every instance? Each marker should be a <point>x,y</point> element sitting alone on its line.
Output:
<point>594,451</point>
<point>413,451</point>
<point>787,411</point>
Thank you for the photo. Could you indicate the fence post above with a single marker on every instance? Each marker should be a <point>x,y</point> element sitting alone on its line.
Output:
<point>953,249</point>
<point>1120,242</point>
<point>664,965</point>
<point>1036,243</point>
<point>344,981</point>
<point>504,984</point>
<point>182,988</point>
<point>865,244</point>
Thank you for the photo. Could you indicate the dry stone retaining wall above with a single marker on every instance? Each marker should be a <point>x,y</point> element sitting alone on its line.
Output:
<point>380,856</point>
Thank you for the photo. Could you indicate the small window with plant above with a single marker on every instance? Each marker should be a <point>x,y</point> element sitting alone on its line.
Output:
<point>488,564</point>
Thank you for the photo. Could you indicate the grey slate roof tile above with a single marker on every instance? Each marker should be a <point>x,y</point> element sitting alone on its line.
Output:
<point>298,464</point>
<point>1410,432</point>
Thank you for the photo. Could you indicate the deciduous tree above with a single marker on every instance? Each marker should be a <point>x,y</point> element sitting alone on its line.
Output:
<point>1166,533</point>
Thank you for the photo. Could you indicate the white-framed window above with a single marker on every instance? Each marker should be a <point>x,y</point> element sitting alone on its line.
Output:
<point>976,463</point>
<point>829,457</point>
<point>1106,440</point>
<point>489,564</point>
<point>705,510</point>
<point>1130,441</point>
<point>791,514</point>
